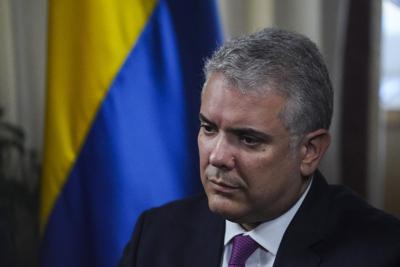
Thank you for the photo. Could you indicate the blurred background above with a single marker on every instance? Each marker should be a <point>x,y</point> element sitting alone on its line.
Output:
<point>360,40</point>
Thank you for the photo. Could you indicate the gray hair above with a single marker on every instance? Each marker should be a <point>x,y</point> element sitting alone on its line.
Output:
<point>286,62</point>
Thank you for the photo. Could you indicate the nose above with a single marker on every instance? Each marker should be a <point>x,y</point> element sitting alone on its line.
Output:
<point>221,155</point>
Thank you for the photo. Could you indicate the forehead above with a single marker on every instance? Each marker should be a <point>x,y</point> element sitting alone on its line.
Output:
<point>226,105</point>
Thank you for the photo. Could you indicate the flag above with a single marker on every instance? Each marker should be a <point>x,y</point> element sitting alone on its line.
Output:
<point>124,83</point>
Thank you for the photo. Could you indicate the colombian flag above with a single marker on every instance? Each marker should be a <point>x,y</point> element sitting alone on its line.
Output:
<point>124,81</point>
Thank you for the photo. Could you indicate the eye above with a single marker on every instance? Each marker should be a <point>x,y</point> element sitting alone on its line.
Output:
<point>249,140</point>
<point>207,128</point>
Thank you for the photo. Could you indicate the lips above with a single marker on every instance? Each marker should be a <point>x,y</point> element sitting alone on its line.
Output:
<point>222,181</point>
<point>222,186</point>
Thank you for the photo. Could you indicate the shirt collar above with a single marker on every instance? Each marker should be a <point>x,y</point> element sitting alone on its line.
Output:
<point>268,234</point>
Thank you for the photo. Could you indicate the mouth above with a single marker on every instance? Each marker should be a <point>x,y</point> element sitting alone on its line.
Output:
<point>221,186</point>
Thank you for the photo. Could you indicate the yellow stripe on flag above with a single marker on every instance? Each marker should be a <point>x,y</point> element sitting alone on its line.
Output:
<point>88,42</point>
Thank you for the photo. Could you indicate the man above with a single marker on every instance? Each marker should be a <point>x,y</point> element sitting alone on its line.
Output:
<point>265,113</point>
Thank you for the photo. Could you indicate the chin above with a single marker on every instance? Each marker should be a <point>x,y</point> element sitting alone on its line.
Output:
<point>225,207</point>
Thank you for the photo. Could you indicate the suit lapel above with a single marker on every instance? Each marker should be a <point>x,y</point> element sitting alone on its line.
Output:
<point>211,246</point>
<point>206,239</point>
<point>306,231</point>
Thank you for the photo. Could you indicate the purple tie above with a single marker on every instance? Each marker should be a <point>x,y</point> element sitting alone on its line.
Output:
<point>243,246</point>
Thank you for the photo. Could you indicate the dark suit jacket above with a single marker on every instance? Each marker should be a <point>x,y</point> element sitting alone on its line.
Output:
<point>333,227</point>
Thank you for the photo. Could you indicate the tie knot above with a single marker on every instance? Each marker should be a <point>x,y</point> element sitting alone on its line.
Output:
<point>243,246</point>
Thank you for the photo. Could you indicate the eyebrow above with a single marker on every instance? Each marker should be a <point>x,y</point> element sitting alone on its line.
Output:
<point>240,130</point>
<point>203,118</point>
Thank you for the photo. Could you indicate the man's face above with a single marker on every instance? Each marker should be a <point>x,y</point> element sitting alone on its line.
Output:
<point>248,169</point>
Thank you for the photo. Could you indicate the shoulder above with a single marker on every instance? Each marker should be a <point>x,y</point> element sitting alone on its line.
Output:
<point>179,227</point>
<point>357,231</point>
<point>352,216</point>
<point>191,208</point>
<point>349,211</point>
<point>341,208</point>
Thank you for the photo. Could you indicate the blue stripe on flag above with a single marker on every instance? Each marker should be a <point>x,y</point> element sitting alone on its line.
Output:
<point>141,150</point>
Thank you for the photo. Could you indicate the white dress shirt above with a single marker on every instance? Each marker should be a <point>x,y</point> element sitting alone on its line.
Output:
<point>268,235</point>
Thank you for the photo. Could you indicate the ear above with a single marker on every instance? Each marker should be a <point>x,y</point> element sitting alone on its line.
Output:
<point>313,147</point>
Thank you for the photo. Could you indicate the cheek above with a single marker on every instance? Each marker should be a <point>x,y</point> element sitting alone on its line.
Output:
<point>256,165</point>
<point>253,170</point>
<point>267,180</point>
<point>264,172</point>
